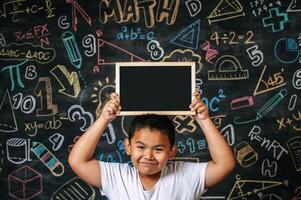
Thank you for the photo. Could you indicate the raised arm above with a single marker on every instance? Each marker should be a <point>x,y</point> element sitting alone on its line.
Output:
<point>80,158</point>
<point>223,161</point>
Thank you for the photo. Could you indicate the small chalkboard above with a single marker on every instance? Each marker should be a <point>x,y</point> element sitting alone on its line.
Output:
<point>155,87</point>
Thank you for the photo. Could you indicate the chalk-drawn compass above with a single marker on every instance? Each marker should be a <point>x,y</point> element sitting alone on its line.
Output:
<point>227,67</point>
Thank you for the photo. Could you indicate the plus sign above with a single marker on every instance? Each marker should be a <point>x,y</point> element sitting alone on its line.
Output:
<point>289,121</point>
<point>127,36</point>
<point>275,19</point>
<point>27,10</point>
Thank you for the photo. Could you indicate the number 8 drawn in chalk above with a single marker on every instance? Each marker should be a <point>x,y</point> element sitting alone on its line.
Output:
<point>154,48</point>
<point>297,79</point>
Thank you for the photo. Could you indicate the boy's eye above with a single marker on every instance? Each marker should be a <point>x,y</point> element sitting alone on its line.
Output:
<point>159,149</point>
<point>140,147</point>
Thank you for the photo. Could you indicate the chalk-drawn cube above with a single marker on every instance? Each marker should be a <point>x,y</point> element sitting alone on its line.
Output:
<point>24,183</point>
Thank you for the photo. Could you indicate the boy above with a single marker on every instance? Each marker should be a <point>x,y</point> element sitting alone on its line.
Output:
<point>150,146</point>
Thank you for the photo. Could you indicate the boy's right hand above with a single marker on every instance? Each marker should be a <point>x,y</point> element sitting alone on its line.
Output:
<point>111,108</point>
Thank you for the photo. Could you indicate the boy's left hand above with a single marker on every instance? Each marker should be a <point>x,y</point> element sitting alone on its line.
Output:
<point>200,109</point>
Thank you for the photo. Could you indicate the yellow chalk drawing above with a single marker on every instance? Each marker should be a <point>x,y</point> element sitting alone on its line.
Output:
<point>188,122</point>
<point>226,9</point>
<point>101,92</point>
<point>228,67</point>
<point>44,91</point>
<point>186,55</point>
<point>129,11</point>
<point>271,83</point>
<point>244,188</point>
<point>217,120</point>
<point>27,51</point>
<point>69,81</point>
<point>245,154</point>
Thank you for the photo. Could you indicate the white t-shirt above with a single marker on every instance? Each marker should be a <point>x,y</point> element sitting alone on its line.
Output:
<point>179,180</point>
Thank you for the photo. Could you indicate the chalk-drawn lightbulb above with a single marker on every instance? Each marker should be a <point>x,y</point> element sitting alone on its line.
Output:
<point>101,93</point>
<point>104,95</point>
<point>101,96</point>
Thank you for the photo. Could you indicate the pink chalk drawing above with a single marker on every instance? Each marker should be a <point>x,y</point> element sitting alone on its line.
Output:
<point>25,183</point>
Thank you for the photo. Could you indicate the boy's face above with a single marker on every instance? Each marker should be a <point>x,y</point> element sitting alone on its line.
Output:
<point>150,151</point>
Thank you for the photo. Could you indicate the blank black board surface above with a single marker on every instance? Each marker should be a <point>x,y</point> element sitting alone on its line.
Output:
<point>155,87</point>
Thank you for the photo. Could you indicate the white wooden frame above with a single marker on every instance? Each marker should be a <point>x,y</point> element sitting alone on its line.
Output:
<point>118,65</point>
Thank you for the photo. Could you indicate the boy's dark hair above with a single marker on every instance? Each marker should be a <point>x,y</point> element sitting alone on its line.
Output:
<point>154,122</point>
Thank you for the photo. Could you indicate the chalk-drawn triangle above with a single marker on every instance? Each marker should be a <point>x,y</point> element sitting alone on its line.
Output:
<point>244,188</point>
<point>262,85</point>
<point>225,7</point>
<point>294,6</point>
<point>8,123</point>
<point>226,10</point>
<point>110,53</point>
<point>189,37</point>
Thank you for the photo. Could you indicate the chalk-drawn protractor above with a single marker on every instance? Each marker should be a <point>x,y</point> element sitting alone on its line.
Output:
<point>227,67</point>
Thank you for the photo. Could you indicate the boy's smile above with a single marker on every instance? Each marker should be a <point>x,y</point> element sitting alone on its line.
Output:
<point>150,151</point>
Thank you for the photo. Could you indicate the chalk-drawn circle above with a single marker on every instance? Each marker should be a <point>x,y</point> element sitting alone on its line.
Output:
<point>286,50</point>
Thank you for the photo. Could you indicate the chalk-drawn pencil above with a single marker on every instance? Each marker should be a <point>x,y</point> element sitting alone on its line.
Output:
<point>48,159</point>
<point>265,109</point>
<point>72,49</point>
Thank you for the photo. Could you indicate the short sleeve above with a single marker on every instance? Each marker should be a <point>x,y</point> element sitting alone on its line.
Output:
<point>118,180</point>
<point>108,172</point>
<point>195,176</point>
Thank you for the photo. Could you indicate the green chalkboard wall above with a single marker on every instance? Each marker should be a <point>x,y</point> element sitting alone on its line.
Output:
<point>57,67</point>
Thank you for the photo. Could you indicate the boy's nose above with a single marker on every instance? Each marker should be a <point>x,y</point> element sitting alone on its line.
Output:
<point>148,154</point>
